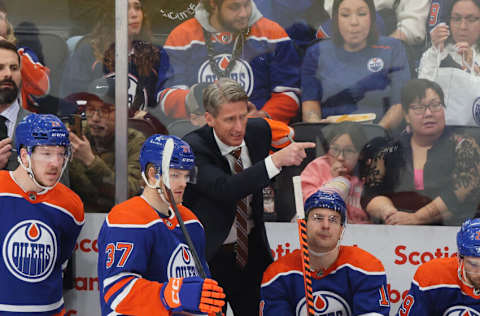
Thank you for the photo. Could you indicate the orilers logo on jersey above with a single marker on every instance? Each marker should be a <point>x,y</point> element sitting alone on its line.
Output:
<point>30,251</point>
<point>325,303</point>
<point>241,72</point>
<point>461,311</point>
<point>375,64</point>
<point>181,263</point>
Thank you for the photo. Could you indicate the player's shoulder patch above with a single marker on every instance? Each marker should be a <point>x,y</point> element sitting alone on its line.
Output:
<point>183,35</point>
<point>288,264</point>
<point>69,201</point>
<point>134,212</point>
<point>437,272</point>
<point>360,259</point>
<point>268,30</point>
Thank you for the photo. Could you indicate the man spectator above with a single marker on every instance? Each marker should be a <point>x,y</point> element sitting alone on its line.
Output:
<point>10,110</point>
<point>92,170</point>
<point>346,280</point>
<point>231,39</point>
<point>448,286</point>
<point>232,156</point>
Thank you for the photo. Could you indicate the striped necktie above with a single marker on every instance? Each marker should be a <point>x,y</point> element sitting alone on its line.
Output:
<point>241,216</point>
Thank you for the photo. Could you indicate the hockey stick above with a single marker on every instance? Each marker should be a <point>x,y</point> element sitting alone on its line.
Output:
<point>167,155</point>
<point>302,235</point>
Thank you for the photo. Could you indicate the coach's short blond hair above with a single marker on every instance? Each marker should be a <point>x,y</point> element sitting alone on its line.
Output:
<point>222,91</point>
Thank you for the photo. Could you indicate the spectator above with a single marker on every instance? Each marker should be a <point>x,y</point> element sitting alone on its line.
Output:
<point>346,280</point>
<point>35,78</point>
<point>428,176</point>
<point>94,57</point>
<point>153,276</point>
<point>231,39</point>
<point>92,170</point>
<point>10,110</point>
<point>445,286</point>
<point>356,71</point>
<point>453,61</point>
<point>345,142</point>
<point>227,196</point>
<point>40,214</point>
<point>407,22</point>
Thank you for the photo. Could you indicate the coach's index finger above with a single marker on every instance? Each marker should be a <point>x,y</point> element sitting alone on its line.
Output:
<point>305,145</point>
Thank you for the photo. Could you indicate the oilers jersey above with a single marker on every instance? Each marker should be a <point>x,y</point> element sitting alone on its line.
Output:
<point>437,290</point>
<point>355,284</point>
<point>267,67</point>
<point>139,250</point>
<point>38,233</point>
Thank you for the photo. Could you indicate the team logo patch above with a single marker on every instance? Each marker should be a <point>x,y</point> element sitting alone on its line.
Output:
<point>461,311</point>
<point>181,263</point>
<point>476,110</point>
<point>241,72</point>
<point>30,251</point>
<point>135,101</point>
<point>325,303</point>
<point>375,64</point>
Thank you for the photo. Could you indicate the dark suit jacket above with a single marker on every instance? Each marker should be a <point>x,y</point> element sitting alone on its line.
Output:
<point>12,163</point>
<point>214,196</point>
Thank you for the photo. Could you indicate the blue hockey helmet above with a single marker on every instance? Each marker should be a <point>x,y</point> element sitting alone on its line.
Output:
<point>152,152</point>
<point>468,238</point>
<point>41,129</point>
<point>330,200</point>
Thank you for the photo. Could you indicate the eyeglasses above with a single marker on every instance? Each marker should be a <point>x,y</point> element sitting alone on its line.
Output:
<point>469,19</point>
<point>332,219</point>
<point>102,111</point>
<point>347,153</point>
<point>420,109</point>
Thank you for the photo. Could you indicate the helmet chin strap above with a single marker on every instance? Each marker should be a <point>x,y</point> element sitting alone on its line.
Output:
<point>157,187</point>
<point>322,254</point>
<point>31,174</point>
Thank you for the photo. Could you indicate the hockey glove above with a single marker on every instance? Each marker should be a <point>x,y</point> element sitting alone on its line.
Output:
<point>192,294</point>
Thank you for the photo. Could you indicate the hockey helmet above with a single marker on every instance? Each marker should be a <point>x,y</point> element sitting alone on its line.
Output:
<point>468,238</point>
<point>329,200</point>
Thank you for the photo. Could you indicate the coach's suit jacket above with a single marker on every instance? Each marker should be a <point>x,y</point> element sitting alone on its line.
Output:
<point>214,196</point>
<point>12,163</point>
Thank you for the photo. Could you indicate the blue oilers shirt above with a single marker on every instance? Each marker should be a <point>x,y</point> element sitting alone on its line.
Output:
<point>139,250</point>
<point>355,284</point>
<point>267,66</point>
<point>437,290</point>
<point>38,233</point>
<point>329,69</point>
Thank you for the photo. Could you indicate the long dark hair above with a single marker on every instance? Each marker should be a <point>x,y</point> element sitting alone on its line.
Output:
<point>372,37</point>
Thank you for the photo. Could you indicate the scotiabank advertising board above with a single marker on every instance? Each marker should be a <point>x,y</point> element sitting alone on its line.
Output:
<point>401,249</point>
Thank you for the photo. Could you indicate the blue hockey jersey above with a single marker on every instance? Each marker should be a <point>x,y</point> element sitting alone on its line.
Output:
<point>355,284</point>
<point>437,290</point>
<point>38,233</point>
<point>329,69</point>
<point>267,67</point>
<point>139,250</point>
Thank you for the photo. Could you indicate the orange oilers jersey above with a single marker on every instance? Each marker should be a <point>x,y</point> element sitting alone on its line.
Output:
<point>355,284</point>
<point>35,78</point>
<point>139,250</point>
<point>437,290</point>
<point>38,233</point>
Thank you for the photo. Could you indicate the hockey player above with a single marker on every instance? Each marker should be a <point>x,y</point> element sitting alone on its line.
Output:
<point>231,39</point>
<point>346,280</point>
<point>145,266</point>
<point>448,286</point>
<point>41,220</point>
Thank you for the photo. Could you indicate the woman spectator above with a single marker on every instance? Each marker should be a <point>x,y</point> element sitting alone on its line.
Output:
<point>345,142</point>
<point>430,176</point>
<point>355,72</point>
<point>453,61</point>
<point>94,57</point>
